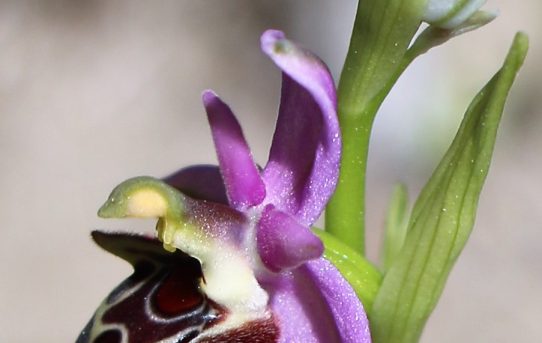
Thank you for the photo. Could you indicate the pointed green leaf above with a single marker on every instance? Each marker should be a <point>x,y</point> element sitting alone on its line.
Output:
<point>443,215</point>
<point>396,226</point>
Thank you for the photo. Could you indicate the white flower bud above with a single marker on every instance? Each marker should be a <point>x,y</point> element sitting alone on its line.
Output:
<point>449,14</point>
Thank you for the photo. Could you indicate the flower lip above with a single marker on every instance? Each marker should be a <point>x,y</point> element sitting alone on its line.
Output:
<point>163,300</point>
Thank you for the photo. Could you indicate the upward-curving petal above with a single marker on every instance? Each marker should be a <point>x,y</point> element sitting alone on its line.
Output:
<point>303,165</point>
<point>244,186</point>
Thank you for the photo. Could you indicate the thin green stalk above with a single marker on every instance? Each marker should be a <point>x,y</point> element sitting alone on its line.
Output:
<point>345,214</point>
<point>382,32</point>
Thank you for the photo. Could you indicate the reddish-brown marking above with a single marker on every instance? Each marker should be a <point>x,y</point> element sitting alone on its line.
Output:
<point>260,331</point>
<point>175,296</point>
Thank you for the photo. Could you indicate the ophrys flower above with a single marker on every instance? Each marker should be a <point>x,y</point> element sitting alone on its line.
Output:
<point>262,277</point>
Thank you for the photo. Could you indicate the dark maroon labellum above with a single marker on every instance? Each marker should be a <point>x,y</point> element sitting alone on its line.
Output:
<point>161,300</point>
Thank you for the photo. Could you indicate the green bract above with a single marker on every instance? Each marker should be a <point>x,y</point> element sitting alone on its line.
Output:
<point>443,215</point>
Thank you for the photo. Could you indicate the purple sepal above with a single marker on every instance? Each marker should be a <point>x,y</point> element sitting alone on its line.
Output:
<point>244,186</point>
<point>314,304</point>
<point>303,165</point>
<point>202,182</point>
<point>348,312</point>
<point>283,243</point>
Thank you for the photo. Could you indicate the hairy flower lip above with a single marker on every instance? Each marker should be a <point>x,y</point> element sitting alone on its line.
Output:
<point>135,303</point>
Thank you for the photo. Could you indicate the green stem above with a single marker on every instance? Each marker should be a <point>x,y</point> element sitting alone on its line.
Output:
<point>377,56</point>
<point>347,208</point>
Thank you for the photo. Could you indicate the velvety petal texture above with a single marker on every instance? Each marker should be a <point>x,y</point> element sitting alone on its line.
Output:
<point>347,311</point>
<point>244,185</point>
<point>303,165</point>
<point>283,243</point>
<point>314,304</point>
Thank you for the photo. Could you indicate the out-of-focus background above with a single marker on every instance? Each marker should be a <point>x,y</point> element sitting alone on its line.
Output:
<point>94,92</point>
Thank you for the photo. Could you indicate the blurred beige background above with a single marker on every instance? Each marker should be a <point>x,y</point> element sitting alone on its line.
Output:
<point>94,92</point>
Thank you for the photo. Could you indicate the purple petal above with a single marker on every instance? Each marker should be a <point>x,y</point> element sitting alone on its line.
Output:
<point>347,310</point>
<point>244,186</point>
<point>283,243</point>
<point>315,304</point>
<point>202,182</point>
<point>304,160</point>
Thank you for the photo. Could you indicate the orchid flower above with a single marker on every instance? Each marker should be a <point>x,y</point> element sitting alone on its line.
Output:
<point>236,260</point>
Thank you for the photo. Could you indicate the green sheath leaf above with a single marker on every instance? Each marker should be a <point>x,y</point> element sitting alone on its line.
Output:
<point>443,215</point>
